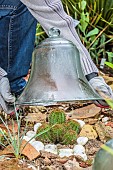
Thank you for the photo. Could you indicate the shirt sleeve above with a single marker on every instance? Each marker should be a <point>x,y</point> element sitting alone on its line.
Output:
<point>2,73</point>
<point>50,13</point>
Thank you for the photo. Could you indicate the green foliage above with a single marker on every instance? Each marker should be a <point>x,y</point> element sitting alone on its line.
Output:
<point>109,64</point>
<point>110,102</point>
<point>57,117</point>
<point>110,57</point>
<point>15,138</point>
<point>40,34</point>
<point>103,10</point>
<point>95,27</point>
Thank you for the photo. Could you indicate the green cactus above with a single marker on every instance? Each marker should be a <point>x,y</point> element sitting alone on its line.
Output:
<point>61,131</point>
<point>45,137</point>
<point>73,125</point>
<point>57,117</point>
<point>57,131</point>
<point>69,138</point>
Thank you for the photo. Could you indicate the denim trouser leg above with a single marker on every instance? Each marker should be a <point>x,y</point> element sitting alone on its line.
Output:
<point>17,36</point>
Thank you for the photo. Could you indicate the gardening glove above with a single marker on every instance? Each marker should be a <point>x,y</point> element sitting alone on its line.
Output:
<point>6,98</point>
<point>105,91</point>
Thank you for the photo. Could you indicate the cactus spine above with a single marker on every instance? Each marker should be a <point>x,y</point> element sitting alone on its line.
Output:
<point>57,117</point>
<point>73,125</point>
<point>44,137</point>
<point>69,137</point>
<point>57,131</point>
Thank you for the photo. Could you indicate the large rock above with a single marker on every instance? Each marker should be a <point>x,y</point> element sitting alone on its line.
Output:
<point>88,132</point>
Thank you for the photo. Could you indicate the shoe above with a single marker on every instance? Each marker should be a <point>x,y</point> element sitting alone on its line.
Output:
<point>105,91</point>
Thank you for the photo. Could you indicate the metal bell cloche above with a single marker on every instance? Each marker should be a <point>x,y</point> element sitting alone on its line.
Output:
<point>56,74</point>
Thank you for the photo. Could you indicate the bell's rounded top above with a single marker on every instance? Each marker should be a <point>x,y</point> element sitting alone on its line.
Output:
<point>54,38</point>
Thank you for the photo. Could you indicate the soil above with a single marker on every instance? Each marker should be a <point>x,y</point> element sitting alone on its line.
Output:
<point>13,164</point>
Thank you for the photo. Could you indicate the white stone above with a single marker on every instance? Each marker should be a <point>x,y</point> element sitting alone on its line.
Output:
<point>31,167</point>
<point>51,148</point>
<point>38,145</point>
<point>30,134</point>
<point>28,138</point>
<point>65,152</point>
<point>82,140</point>
<point>83,156</point>
<point>81,122</point>
<point>105,119</point>
<point>36,126</point>
<point>79,150</point>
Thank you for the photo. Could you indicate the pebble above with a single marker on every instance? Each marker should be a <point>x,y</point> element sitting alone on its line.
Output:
<point>51,148</point>
<point>38,145</point>
<point>47,161</point>
<point>32,167</point>
<point>89,132</point>
<point>82,140</point>
<point>28,138</point>
<point>79,150</point>
<point>30,134</point>
<point>36,126</point>
<point>81,122</point>
<point>105,119</point>
<point>65,152</point>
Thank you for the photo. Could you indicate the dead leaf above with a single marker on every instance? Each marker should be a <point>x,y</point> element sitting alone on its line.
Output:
<point>85,112</point>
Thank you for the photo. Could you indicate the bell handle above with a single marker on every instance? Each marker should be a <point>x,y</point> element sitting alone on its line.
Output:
<point>54,32</point>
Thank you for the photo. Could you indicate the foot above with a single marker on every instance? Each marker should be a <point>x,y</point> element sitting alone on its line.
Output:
<point>105,91</point>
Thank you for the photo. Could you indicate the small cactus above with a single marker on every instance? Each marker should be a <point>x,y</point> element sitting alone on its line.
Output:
<point>57,117</point>
<point>73,125</point>
<point>69,138</point>
<point>44,137</point>
<point>57,131</point>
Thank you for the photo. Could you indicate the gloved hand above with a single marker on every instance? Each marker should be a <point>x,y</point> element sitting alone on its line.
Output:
<point>5,95</point>
<point>105,91</point>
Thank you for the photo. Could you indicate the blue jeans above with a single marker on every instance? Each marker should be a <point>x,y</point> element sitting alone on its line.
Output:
<point>17,36</point>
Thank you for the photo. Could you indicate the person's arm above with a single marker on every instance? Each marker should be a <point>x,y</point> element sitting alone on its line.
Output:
<point>2,73</point>
<point>50,13</point>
